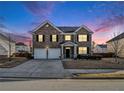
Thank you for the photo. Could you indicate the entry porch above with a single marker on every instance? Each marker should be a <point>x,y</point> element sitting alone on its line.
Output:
<point>68,50</point>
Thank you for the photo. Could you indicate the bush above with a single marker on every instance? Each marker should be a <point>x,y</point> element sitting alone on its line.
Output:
<point>107,55</point>
<point>89,57</point>
<point>23,54</point>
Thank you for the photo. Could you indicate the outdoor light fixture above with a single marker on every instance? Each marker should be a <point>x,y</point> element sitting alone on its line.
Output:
<point>47,47</point>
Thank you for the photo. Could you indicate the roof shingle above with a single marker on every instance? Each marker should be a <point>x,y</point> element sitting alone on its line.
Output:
<point>68,29</point>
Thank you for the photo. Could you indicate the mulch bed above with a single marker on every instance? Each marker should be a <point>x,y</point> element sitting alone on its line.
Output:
<point>91,64</point>
<point>5,63</point>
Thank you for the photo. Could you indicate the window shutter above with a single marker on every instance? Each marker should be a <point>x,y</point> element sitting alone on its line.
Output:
<point>37,38</point>
<point>87,37</point>
<point>87,50</point>
<point>57,38</point>
<point>50,38</point>
<point>43,38</point>
<point>77,38</point>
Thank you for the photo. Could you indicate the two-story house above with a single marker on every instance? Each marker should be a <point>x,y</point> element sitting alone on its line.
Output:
<point>54,42</point>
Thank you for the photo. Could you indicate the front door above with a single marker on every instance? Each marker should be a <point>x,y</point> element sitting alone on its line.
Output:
<point>68,53</point>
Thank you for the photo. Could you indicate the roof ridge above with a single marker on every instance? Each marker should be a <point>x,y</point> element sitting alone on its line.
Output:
<point>116,37</point>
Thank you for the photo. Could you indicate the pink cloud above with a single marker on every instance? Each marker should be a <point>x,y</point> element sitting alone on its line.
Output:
<point>39,8</point>
<point>100,40</point>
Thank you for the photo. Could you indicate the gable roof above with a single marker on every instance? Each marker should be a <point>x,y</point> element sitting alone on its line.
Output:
<point>64,29</point>
<point>102,46</point>
<point>84,27</point>
<point>68,29</point>
<point>45,22</point>
<point>117,37</point>
<point>68,42</point>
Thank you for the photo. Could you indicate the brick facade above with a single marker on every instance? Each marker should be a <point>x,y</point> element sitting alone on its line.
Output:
<point>47,30</point>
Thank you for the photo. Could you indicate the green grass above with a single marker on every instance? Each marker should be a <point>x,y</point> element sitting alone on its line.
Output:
<point>100,75</point>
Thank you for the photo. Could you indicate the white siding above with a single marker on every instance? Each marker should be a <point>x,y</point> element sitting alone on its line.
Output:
<point>5,44</point>
<point>22,48</point>
<point>98,49</point>
<point>3,51</point>
<point>121,43</point>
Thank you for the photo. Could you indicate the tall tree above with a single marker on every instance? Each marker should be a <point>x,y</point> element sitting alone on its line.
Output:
<point>117,47</point>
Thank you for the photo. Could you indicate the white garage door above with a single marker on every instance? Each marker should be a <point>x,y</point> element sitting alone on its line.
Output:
<point>53,53</point>
<point>40,53</point>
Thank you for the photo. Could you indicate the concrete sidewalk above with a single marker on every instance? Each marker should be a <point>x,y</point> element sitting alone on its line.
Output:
<point>37,69</point>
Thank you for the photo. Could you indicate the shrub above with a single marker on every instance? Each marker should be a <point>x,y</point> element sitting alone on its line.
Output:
<point>107,55</point>
<point>23,54</point>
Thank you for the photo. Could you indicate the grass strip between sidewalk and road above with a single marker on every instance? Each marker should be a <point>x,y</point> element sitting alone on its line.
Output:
<point>99,75</point>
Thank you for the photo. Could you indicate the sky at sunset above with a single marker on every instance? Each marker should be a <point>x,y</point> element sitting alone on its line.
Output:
<point>103,18</point>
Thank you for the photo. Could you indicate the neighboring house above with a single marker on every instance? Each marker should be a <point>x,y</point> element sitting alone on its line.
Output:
<point>3,51</point>
<point>120,45</point>
<point>53,42</point>
<point>100,48</point>
<point>6,45</point>
<point>21,47</point>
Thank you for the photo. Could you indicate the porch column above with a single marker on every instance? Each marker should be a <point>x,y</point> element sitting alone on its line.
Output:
<point>75,51</point>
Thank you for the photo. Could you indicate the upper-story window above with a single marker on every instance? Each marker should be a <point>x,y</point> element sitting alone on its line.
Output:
<point>40,38</point>
<point>54,38</point>
<point>82,38</point>
<point>67,37</point>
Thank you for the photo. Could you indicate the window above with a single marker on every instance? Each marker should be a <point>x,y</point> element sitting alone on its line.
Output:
<point>82,38</point>
<point>40,38</point>
<point>67,37</point>
<point>47,25</point>
<point>54,38</point>
<point>82,50</point>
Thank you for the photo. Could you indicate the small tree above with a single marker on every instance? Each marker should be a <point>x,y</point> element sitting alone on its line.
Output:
<point>9,47</point>
<point>117,47</point>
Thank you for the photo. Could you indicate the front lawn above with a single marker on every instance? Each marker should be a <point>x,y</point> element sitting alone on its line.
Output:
<point>5,63</point>
<point>93,64</point>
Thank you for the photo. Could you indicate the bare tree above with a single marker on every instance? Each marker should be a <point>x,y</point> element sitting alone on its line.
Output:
<point>117,47</point>
<point>9,37</point>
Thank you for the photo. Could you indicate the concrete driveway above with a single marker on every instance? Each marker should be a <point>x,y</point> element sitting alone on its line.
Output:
<point>36,68</point>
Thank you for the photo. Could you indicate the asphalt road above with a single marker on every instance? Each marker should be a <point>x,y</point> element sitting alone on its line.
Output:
<point>61,84</point>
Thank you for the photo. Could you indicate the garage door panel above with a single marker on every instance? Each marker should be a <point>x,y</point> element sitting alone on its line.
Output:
<point>40,53</point>
<point>53,53</point>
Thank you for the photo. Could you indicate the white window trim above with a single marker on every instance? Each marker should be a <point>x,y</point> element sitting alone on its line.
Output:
<point>65,37</point>
<point>79,52</point>
<point>40,39</point>
<point>79,37</point>
<point>54,38</point>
